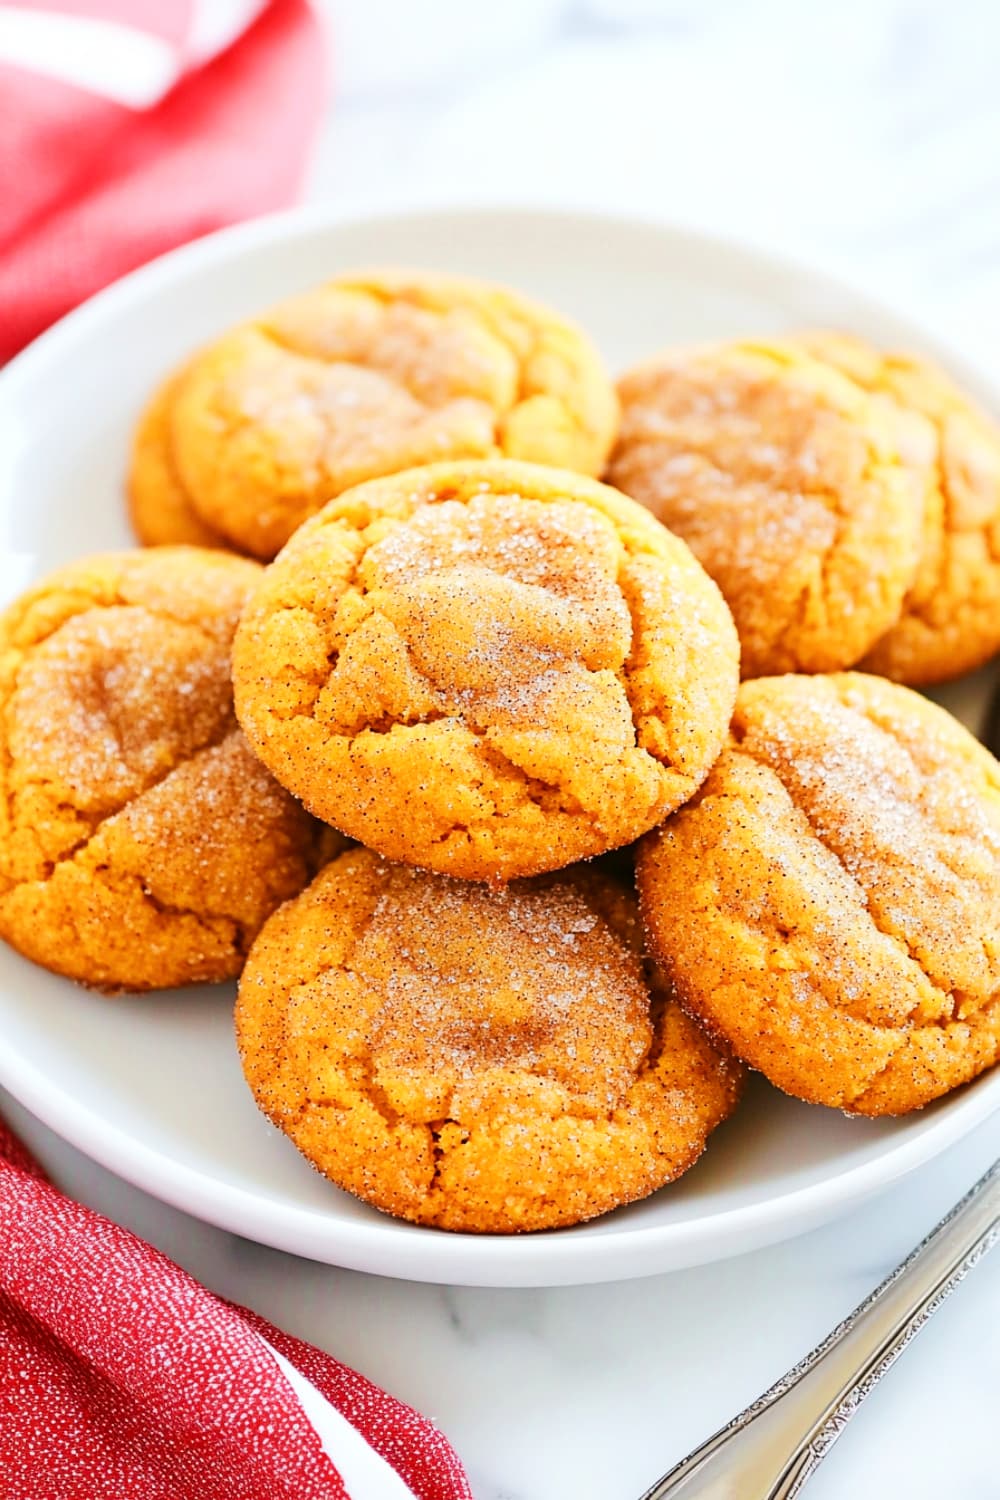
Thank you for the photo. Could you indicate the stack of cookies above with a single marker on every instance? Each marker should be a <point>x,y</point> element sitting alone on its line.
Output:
<point>365,777</point>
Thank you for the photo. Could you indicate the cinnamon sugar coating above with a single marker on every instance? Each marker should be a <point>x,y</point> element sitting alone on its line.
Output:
<point>488,669</point>
<point>792,487</point>
<point>365,376</point>
<point>475,1058</point>
<point>829,902</point>
<point>950,621</point>
<point>141,843</point>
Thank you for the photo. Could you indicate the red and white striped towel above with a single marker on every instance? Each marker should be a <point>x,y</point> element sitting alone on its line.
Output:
<point>121,1378</point>
<point>130,126</point>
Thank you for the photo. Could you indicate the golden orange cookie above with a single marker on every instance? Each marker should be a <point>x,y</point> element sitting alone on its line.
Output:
<point>365,376</point>
<point>951,615</point>
<point>141,843</point>
<point>489,669</point>
<point>829,903</point>
<point>790,485</point>
<point>470,1057</point>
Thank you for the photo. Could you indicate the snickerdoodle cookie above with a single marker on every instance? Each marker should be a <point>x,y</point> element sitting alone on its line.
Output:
<point>141,843</point>
<point>365,376</point>
<point>490,669</point>
<point>791,485</point>
<point>829,903</point>
<point>475,1058</point>
<point>951,615</point>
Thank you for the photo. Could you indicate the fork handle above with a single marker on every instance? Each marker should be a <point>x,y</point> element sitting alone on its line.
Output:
<point>769,1451</point>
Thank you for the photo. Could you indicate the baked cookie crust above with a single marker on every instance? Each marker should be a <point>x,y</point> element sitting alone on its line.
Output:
<point>142,844</point>
<point>477,1059</point>
<point>793,488</point>
<point>368,375</point>
<point>950,622</point>
<point>829,902</point>
<point>488,669</point>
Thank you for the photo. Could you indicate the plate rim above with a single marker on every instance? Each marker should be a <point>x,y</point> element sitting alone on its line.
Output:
<point>552,1257</point>
<point>315,218</point>
<point>548,1258</point>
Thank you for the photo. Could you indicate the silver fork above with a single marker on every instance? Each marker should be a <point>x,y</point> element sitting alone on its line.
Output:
<point>769,1451</point>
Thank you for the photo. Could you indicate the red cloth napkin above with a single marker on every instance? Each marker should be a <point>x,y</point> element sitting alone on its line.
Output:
<point>130,126</point>
<point>121,1378</point>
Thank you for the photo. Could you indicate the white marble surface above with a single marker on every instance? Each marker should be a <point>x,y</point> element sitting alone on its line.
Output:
<point>866,133</point>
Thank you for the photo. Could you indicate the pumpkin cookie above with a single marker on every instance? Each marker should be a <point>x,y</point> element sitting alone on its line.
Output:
<point>829,903</point>
<point>951,616</point>
<point>489,669</point>
<point>365,376</point>
<point>475,1058</point>
<point>791,487</point>
<point>141,843</point>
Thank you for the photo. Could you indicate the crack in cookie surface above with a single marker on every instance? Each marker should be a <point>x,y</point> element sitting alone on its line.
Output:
<point>141,843</point>
<point>830,901</point>
<point>515,656</point>
<point>787,481</point>
<point>363,377</point>
<point>470,1057</point>
<point>950,621</point>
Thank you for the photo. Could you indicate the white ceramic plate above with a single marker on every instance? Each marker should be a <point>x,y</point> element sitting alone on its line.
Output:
<point>151,1087</point>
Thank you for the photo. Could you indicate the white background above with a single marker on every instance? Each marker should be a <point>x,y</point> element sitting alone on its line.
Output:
<point>866,133</point>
